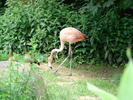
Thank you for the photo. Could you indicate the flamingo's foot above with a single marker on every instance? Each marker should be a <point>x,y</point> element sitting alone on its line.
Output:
<point>69,74</point>
<point>55,71</point>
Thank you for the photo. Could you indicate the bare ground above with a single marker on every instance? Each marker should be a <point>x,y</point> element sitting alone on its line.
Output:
<point>80,74</point>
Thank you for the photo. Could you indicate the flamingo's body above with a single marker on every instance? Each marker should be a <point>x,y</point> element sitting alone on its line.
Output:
<point>70,35</point>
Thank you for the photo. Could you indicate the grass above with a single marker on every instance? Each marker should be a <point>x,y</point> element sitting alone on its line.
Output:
<point>105,85</point>
<point>61,87</point>
<point>116,78</point>
<point>3,56</point>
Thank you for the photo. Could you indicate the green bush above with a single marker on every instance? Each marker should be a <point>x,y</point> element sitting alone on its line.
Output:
<point>41,20</point>
<point>13,84</point>
<point>18,83</point>
<point>3,56</point>
<point>109,33</point>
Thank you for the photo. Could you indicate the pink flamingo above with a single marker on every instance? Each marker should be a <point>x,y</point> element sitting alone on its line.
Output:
<point>70,35</point>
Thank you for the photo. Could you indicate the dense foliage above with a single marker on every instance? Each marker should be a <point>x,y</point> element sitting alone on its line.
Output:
<point>17,82</point>
<point>105,22</point>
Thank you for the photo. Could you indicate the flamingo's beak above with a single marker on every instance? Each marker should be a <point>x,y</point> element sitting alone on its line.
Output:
<point>49,64</point>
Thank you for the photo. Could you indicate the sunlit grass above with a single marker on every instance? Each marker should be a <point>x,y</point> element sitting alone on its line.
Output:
<point>105,85</point>
<point>67,89</point>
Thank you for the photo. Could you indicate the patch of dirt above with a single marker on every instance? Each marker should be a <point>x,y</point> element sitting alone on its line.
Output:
<point>80,74</point>
<point>88,98</point>
<point>64,83</point>
<point>64,71</point>
<point>108,72</point>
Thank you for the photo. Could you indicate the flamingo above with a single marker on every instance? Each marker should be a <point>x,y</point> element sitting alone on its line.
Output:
<point>70,35</point>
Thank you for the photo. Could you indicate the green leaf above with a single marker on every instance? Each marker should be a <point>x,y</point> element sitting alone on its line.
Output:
<point>91,50</point>
<point>105,95</point>
<point>128,52</point>
<point>106,54</point>
<point>108,3</point>
<point>126,84</point>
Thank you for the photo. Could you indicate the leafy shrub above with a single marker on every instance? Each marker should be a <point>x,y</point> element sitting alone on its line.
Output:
<point>109,33</point>
<point>3,56</point>
<point>19,83</point>
<point>41,20</point>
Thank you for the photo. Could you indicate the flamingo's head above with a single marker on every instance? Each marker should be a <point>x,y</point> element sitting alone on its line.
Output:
<point>50,62</point>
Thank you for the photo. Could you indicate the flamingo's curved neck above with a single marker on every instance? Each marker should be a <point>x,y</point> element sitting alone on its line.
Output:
<point>57,50</point>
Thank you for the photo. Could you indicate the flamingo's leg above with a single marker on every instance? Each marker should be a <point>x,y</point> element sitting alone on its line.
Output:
<point>69,56</point>
<point>60,65</point>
